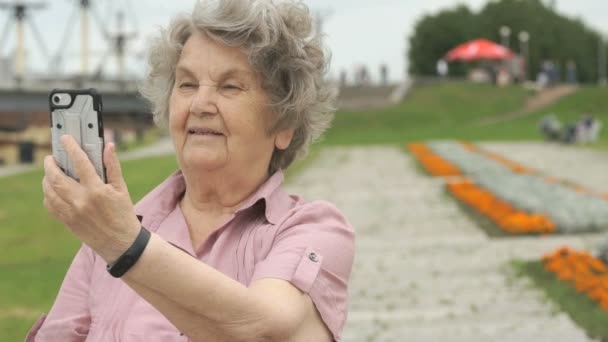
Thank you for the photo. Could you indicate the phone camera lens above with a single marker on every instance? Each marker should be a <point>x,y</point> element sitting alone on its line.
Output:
<point>59,126</point>
<point>56,99</point>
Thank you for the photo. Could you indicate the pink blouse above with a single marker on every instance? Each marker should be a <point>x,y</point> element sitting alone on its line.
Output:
<point>273,235</point>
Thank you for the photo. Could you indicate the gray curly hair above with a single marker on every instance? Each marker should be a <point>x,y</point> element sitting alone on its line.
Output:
<point>281,44</point>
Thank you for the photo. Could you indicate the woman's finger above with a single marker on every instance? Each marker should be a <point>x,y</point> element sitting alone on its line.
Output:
<point>63,185</point>
<point>56,205</point>
<point>113,169</point>
<point>82,165</point>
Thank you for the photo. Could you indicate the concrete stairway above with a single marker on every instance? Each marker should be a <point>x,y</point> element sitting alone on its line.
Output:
<point>423,270</point>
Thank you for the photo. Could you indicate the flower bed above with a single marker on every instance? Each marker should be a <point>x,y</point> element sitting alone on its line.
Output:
<point>586,273</point>
<point>500,212</point>
<point>432,163</point>
<point>538,204</point>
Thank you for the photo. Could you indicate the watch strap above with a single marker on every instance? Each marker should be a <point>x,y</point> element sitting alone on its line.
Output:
<point>131,255</point>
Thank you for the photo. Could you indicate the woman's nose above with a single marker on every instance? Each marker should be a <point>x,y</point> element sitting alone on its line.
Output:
<point>204,102</point>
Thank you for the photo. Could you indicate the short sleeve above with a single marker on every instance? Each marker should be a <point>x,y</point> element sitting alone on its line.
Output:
<point>69,317</point>
<point>314,250</point>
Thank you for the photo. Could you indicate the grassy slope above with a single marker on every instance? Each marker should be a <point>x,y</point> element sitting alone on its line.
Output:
<point>568,110</point>
<point>449,111</point>
<point>444,111</point>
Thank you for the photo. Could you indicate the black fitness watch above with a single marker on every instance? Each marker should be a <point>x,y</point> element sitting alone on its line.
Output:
<point>132,254</point>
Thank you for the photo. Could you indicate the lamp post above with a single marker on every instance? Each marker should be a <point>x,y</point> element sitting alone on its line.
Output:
<point>601,61</point>
<point>505,32</point>
<point>84,37</point>
<point>524,38</point>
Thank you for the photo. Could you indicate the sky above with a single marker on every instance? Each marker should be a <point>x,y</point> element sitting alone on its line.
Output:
<point>357,32</point>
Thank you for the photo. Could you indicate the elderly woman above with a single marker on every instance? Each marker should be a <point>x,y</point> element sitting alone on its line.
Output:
<point>218,251</point>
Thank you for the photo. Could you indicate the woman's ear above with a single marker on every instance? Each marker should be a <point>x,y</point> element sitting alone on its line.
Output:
<point>283,139</point>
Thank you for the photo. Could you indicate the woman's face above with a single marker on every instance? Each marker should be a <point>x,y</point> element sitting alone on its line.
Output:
<point>219,115</point>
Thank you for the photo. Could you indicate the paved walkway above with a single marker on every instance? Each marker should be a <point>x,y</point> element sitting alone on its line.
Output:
<point>540,100</point>
<point>423,270</point>
<point>160,148</point>
<point>15,169</point>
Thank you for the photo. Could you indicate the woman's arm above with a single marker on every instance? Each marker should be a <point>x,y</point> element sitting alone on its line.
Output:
<point>207,305</point>
<point>102,216</point>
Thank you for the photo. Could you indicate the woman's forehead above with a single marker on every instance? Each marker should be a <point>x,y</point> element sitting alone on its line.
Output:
<point>203,54</point>
<point>217,71</point>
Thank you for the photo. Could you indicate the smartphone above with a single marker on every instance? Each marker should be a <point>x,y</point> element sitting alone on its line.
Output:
<point>77,112</point>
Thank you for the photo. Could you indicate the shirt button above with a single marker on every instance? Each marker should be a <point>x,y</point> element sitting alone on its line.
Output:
<point>313,257</point>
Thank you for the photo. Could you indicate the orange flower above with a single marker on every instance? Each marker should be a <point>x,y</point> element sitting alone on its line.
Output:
<point>596,294</point>
<point>585,283</point>
<point>433,163</point>
<point>565,274</point>
<point>500,212</point>
<point>585,272</point>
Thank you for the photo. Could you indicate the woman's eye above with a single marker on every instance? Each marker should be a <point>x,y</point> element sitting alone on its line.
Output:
<point>187,85</point>
<point>231,87</point>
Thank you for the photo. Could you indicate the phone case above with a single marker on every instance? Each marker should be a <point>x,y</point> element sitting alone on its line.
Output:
<point>77,113</point>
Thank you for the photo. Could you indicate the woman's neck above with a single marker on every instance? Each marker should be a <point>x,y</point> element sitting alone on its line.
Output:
<point>219,193</point>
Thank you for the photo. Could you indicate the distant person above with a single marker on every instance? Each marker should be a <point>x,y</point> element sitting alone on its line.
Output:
<point>492,72</point>
<point>570,134</point>
<point>442,68</point>
<point>383,74</point>
<point>557,73</point>
<point>588,129</point>
<point>359,75</point>
<point>550,127</point>
<point>503,77</point>
<point>342,78</point>
<point>365,80</point>
<point>549,74</point>
<point>218,251</point>
<point>542,80</point>
<point>571,73</point>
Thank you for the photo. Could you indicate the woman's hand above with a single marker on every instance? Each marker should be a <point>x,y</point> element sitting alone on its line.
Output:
<point>100,215</point>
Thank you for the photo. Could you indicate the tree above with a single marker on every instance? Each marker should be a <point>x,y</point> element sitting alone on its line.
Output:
<point>553,36</point>
<point>434,35</point>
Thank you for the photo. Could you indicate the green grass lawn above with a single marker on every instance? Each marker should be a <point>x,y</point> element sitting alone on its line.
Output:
<point>582,310</point>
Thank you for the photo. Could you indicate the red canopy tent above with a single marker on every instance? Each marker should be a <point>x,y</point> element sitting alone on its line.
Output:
<point>478,49</point>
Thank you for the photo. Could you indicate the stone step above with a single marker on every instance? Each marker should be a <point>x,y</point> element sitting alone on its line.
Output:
<point>440,307</point>
<point>379,334</point>
<point>448,294</point>
<point>391,327</point>
<point>428,283</point>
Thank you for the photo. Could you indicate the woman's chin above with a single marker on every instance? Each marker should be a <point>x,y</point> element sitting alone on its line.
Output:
<point>203,161</point>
